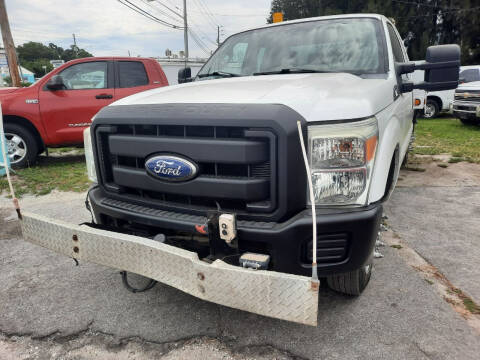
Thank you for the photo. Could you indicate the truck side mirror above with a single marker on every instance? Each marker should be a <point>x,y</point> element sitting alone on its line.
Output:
<point>442,69</point>
<point>185,75</point>
<point>56,83</point>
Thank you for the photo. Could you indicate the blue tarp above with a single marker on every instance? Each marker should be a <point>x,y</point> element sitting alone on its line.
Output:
<point>3,147</point>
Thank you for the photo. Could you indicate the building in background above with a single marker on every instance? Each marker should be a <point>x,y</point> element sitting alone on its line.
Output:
<point>57,63</point>
<point>171,65</point>
<point>27,75</point>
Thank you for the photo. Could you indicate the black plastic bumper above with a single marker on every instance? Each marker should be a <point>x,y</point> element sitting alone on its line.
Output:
<point>346,237</point>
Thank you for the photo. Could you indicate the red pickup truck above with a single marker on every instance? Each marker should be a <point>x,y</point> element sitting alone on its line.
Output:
<point>55,110</point>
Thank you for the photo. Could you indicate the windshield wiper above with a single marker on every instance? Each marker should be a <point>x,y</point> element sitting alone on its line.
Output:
<point>290,71</point>
<point>218,73</point>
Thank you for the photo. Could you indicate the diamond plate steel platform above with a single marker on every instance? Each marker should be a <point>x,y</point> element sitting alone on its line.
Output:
<point>278,295</point>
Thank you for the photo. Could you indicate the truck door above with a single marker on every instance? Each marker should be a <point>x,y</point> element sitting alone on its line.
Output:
<point>403,102</point>
<point>66,113</point>
<point>130,78</point>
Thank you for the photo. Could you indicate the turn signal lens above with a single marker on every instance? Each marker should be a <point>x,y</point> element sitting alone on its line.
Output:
<point>87,140</point>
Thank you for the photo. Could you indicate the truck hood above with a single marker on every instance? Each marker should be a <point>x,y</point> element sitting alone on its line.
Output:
<point>8,90</point>
<point>317,97</point>
<point>474,85</point>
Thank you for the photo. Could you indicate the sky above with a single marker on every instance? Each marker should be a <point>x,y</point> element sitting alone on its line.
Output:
<point>106,27</point>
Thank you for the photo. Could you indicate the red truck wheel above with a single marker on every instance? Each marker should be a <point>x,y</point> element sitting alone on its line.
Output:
<point>22,147</point>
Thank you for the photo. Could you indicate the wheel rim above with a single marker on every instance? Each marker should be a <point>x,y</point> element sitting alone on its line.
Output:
<point>429,111</point>
<point>16,148</point>
<point>367,269</point>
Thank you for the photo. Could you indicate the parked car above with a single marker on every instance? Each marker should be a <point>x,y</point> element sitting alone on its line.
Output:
<point>203,185</point>
<point>466,105</point>
<point>56,109</point>
<point>441,101</point>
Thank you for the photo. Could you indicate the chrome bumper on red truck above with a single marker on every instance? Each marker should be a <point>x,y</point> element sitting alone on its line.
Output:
<point>278,295</point>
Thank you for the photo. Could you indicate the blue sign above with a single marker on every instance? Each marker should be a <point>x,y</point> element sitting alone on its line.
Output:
<point>3,147</point>
<point>171,168</point>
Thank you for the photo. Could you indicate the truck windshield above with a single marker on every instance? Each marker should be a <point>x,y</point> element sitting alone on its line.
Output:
<point>351,45</point>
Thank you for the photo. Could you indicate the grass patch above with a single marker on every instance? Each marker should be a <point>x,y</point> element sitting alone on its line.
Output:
<point>448,136</point>
<point>429,281</point>
<point>469,304</point>
<point>456,159</point>
<point>409,167</point>
<point>64,173</point>
<point>63,150</point>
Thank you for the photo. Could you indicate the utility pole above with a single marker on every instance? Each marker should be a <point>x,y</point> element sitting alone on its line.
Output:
<point>185,30</point>
<point>218,35</point>
<point>9,46</point>
<point>75,48</point>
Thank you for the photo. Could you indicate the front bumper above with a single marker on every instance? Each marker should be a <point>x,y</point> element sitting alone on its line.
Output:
<point>283,296</point>
<point>286,242</point>
<point>466,110</point>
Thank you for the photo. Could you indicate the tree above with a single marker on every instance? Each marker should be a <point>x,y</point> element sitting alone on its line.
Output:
<point>34,56</point>
<point>431,22</point>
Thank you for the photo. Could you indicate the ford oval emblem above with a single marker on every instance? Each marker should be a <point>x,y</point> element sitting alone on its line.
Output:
<point>171,168</point>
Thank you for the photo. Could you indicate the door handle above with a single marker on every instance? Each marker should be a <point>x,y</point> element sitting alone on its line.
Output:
<point>104,96</point>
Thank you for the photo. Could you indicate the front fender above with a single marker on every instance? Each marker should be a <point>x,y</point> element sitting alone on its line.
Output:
<point>390,132</point>
<point>23,103</point>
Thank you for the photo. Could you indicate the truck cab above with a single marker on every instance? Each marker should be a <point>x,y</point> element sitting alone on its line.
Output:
<point>56,109</point>
<point>263,174</point>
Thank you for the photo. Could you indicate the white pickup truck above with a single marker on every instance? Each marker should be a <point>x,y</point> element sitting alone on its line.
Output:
<point>466,105</point>
<point>261,176</point>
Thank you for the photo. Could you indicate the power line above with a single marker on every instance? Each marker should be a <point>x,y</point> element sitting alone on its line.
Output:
<point>234,15</point>
<point>205,14</point>
<point>142,12</point>
<point>152,16</point>
<point>207,9</point>
<point>168,8</point>
<point>147,2</point>
<point>201,32</point>
<point>199,42</point>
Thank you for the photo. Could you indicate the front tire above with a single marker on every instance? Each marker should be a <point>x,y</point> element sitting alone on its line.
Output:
<point>352,283</point>
<point>431,110</point>
<point>22,148</point>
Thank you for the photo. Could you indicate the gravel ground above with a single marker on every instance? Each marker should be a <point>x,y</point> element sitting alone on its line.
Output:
<point>50,308</point>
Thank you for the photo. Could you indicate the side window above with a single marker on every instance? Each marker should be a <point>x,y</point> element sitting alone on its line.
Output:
<point>233,62</point>
<point>88,75</point>
<point>131,74</point>
<point>260,59</point>
<point>396,45</point>
<point>470,75</point>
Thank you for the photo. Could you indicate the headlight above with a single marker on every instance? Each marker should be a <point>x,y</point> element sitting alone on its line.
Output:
<point>341,160</point>
<point>87,141</point>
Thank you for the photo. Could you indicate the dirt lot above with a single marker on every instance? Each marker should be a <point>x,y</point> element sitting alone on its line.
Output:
<point>420,303</point>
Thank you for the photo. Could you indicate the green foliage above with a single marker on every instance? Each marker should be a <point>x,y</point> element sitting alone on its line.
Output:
<point>65,171</point>
<point>34,55</point>
<point>8,81</point>
<point>448,136</point>
<point>36,66</point>
<point>431,22</point>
